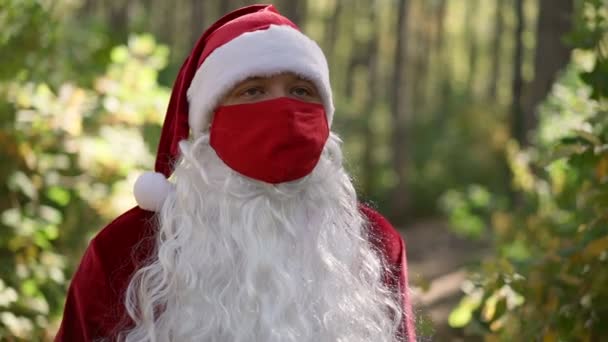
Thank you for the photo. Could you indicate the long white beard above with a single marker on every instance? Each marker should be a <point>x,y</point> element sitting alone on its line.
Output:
<point>241,260</point>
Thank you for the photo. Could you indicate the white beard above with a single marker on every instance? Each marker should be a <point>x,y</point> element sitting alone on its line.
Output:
<point>242,260</point>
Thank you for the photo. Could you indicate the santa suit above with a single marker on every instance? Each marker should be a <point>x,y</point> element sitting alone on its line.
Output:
<point>95,305</point>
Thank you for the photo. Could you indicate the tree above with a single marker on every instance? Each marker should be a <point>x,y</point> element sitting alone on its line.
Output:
<point>496,58</point>
<point>552,54</point>
<point>295,10</point>
<point>398,107</point>
<point>368,172</point>
<point>472,8</point>
<point>518,130</point>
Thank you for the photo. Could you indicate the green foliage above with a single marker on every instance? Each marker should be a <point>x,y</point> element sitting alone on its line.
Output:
<point>447,150</point>
<point>45,42</point>
<point>466,209</point>
<point>589,33</point>
<point>70,149</point>
<point>450,150</point>
<point>547,279</point>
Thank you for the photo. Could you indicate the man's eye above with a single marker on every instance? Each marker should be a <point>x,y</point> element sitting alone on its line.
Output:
<point>249,92</point>
<point>301,91</point>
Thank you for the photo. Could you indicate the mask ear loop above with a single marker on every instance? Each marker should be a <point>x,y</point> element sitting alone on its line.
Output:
<point>187,149</point>
<point>332,148</point>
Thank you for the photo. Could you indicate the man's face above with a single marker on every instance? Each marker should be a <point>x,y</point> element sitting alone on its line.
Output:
<point>256,89</point>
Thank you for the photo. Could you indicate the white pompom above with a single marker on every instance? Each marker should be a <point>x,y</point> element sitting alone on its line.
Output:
<point>151,190</point>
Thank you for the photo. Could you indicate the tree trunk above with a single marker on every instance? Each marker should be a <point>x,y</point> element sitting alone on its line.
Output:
<point>356,59</point>
<point>419,75</point>
<point>162,23</point>
<point>398,106</point>
<point>552,55</point>
<point>496,51</point>
<point>439,25</point>
<point>89,8</point>
<point>473,44</point>
<point>295,10</point>
<point>443,68</point>
<point>119,20</point>
<point>517,120</point>
<point>225,6</point>
<point>368,164</point>
<point>197,20</point>
<point>332,25</point>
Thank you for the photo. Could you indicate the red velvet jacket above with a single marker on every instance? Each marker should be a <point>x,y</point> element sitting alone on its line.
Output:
<point>95,309</point>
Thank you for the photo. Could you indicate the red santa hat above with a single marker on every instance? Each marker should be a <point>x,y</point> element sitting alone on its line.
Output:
<point>251,41</point>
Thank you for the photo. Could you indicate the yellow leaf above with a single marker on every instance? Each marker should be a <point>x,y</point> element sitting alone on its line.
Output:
<point>570,279</point>
<point>550,336</point>
<point>491,338</point>
<point>501,222</point>
<point>601,169</point>
<point>552,303</point>
<point>596,247</point>
<point>489,308</point>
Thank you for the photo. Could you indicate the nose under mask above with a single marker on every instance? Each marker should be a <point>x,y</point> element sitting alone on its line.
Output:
<point>274,141</point>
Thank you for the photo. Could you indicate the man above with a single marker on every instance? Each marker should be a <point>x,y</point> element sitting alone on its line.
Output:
<point>260,236</point>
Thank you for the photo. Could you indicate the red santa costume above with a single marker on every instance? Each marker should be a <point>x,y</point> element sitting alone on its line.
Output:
<point>259,235</point>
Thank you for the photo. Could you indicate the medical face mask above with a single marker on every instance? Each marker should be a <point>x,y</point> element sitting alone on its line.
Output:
<point>274,141</point>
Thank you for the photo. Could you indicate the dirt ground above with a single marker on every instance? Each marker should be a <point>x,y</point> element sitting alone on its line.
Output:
<point>438,257</point>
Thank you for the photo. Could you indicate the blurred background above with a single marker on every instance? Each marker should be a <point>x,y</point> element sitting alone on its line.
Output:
<point>479,128</point>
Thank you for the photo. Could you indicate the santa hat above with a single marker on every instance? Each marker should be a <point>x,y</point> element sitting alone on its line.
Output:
<point>251,41</point>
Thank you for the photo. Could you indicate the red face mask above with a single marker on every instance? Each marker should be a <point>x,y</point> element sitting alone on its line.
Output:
<point>273,141</point>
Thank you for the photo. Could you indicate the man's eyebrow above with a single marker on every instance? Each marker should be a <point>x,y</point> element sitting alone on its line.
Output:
<point>246,81</point>
<point>254,78</point>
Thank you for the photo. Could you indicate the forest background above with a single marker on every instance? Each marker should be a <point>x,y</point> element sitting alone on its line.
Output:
<point>490,114</point>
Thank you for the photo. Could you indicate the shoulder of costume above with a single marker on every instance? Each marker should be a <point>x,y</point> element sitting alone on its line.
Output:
<point>131,225</point>
<point>384,235</point>
<point>94,305</point>
<point>125,241</point>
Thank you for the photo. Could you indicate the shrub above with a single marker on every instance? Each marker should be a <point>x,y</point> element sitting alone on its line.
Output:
<point>547,278</point>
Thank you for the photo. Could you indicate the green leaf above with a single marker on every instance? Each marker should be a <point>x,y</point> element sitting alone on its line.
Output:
<point>462,314</point>
<point>51,232</point>
<point>58,195</point>
<point>460,317</point>
<point>120,54</point>
<point>500,308</point>
<point>144,44</point>
<point>50,214</point>
<point>517,250</point>
<point>20,181</point>
<point>11,217</point>
<point>588,136</point>
<point>566,151</point>
<point>29,287</point>
<point>480,197</point>
<point>41,240</point>
<point>597,79</point>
